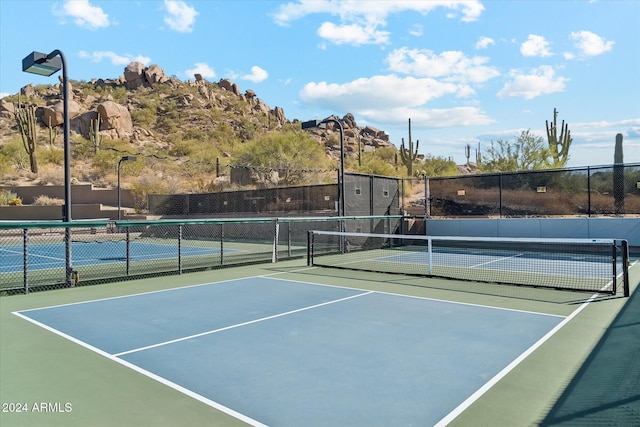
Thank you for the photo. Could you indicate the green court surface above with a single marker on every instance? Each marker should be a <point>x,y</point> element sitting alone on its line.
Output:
<point>584,372</point>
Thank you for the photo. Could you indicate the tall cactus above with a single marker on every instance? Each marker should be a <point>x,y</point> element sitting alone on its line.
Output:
<point>94,134</point>
<point>558,147</point>
<point>478,156</point>
<point>467,152</point>
<point>26,120</point>
<point>52,133</point>
<point>408,156</point>
<point>618,177</point>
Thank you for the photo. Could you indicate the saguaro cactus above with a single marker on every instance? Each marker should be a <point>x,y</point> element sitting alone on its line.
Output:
<point>558,146</point>
<point>26,120</point>
<point>618,177</point>
<point>467,152</point>
<point>94,134</point>
<point>408,156</point>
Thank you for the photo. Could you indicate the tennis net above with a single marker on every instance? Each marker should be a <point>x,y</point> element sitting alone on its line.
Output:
<point>593,265</point>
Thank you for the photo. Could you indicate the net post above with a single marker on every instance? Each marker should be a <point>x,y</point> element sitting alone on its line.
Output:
<point>309,251</point>
<point>614,256</point>
<point>625,267</point>
<point>25,259</point>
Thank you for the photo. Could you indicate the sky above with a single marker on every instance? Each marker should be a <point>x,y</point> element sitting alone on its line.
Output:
<point>464,72</point>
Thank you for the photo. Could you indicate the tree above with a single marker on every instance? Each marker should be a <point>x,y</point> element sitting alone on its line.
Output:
<point>291,154</point>
<point>527,152</point>
<point>437,166</point>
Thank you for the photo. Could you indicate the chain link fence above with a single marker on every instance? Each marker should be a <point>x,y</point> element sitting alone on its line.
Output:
<point>364,195</point>
<point>50,255</point>
<point>589,191</point>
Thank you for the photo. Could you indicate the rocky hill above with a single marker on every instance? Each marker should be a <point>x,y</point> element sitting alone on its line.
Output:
<point>183,129</point>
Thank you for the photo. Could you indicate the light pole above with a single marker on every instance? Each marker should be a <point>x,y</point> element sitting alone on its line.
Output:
<point>316,123</point>
<point>123,159</point>
<point>46,65</point>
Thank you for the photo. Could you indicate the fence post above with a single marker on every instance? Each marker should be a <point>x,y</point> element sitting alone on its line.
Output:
<point>128,248</point>
<point>25,259</point>
<point>625,267</point>
<point>588,191</point>
<point>427,198</point>
<point>221,244</point>
<point>276,231</point>
<point>180,249</point>
<point>499,194</point>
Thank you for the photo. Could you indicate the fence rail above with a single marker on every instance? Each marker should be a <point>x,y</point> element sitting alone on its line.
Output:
<point>34,254</point>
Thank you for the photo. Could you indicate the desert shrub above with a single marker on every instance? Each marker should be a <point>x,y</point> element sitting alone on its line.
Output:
<point>9,198</point>
<point>52,155</point>
<point>43,200</point>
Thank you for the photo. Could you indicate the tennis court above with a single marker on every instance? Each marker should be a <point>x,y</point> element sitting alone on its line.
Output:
<point>287,344</point>
<point>52,255</point>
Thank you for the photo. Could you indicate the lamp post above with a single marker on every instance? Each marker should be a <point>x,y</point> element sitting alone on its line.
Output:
<point>317,123</point>
<point>123,159</point>
<point>46,65</point>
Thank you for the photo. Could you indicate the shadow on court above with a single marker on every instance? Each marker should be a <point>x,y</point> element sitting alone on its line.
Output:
<point>606,389</point>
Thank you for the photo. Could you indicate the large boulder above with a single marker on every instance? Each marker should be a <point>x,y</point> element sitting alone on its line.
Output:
<point>228,85</point>
<point>154,74</point>
<point>134,75</point>
<point>53,115</point>
<point>116,119</point>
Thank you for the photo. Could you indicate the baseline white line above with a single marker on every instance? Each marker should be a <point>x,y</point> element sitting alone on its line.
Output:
<point>250,322</point>
<point>149,374</point>
<point>482,390</point>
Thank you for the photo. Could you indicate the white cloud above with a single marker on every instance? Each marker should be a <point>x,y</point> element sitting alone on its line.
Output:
<point>3,94</point>
<point>389,99</point>
<point>180,16</point>
<point>449,65</point>
<point>353,34</point>
<point>484,42</point>
<point>360,20</point>
<point>257,75</point>
<point>388,91</point>
<point>203,69</point>
<point>539,81</point>
<point>84,14</point>
<point>591,44</point>
<point>535,46</point>
<point>115,59</point>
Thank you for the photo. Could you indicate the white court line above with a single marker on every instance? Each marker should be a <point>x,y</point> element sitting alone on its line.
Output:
<point>151,375</point>
<point>495,260</point>
<point>250,322</point>
<point>482,390</point>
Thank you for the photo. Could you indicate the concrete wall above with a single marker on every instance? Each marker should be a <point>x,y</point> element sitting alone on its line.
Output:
<point>571,228</point>
<point>80,194</point>
<point>54,213</point>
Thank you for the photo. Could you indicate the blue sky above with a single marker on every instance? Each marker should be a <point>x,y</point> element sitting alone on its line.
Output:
<point>463,71</point>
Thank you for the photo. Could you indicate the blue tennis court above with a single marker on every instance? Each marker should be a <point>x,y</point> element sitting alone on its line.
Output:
<point>52,255</point>
<point>270,351</point>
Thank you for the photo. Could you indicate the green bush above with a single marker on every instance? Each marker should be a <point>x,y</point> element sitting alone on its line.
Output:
<point>9,198</point>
